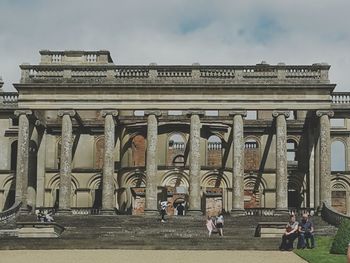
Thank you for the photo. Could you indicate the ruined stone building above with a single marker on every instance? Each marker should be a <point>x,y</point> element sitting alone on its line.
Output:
<point>86,135</point>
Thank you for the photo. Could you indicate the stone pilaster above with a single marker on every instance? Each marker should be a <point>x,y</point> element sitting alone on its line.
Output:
<point>22,168</point>
<point>194,163</point>
<point>325,156</point>
<point>238,163</point>
<point>281,161</point>
<point>66,161</point>
<point>108,161</point>
<point>151,162</point>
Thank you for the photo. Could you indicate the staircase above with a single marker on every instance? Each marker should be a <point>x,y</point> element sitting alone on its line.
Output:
<point>143,232</point>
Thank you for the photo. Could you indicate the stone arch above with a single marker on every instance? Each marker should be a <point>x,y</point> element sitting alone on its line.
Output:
<point>9,193</point>
<point>338,154</point>
<point>340,187</point>
<point>214,151</point>
<point>175,185</point>
<point>251,153</point>
<point>215,179</point>
<point>138,149</point>
<point>254,191</point>
<point>176,144</point>
<point>215,193</point>
<point>54,184</point>
<point>131,195</point>
<point>95,186</point>
<point>99,146</point>
<point>175,178</point>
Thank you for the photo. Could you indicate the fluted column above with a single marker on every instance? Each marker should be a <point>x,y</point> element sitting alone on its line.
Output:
<point>238,163</point>
<point>325,156</point>
<point>108,161</point>
<point>151,162</point>
<point>281,161</point>
<point>66,161</point>
<point>194,163</point>
<point>22,157</point>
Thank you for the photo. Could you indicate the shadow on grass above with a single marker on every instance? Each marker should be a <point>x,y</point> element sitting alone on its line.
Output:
<point>320,254</point>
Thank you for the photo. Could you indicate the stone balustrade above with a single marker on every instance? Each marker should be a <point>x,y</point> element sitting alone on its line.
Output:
<point>340,97</point>
<point>113,73</point>
<point>9,98</point>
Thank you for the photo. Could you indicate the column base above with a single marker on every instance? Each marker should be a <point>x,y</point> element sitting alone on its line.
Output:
<point>238,212</point>
<point>24,210</point>
<point>65,211</point>
<point>194,213</point>
<point>107,212</point>
<point>281,212</point>
<point>151,212</point>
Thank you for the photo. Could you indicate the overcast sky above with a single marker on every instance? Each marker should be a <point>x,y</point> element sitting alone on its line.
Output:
<point>180,32</point>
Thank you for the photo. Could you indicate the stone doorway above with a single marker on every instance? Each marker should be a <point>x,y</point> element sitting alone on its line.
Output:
<point>138,200</point>
<point>294,198</point>
<point>213,201</point>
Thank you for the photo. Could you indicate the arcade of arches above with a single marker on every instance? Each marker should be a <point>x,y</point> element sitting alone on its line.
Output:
<point>210,138</point>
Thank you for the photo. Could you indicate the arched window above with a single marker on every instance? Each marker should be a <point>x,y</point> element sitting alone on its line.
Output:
<point>251,155</point>
<point>176,150</point>
<point>291,150</point>
<point>138,150</point>
<point>338,156</point>
<point>214,151</point>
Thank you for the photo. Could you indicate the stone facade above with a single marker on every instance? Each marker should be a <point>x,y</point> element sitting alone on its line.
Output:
<point>88,136</point>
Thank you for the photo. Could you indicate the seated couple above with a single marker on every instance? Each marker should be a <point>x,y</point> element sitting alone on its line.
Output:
<point>303,231</point>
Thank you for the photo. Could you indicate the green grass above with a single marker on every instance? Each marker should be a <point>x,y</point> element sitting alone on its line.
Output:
<point>320,254</point>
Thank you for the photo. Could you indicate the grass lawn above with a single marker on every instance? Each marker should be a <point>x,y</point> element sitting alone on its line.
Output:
<point>320,254</point>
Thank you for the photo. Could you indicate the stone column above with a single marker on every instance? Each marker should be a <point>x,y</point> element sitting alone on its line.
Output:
<point>317,171</point>
<point>41,165</point>
<point>325,156</point>
<point>151,162</point>
<point>238,163</point>
<point>66,161</point>
<point>22,158</point>
<point>281,161</point>
<point>108,161</point>
<point>194,163</point>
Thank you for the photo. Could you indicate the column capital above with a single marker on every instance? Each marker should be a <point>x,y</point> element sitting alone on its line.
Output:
<point>106,112</point>
<point>276,113</point>
<point>243,113</point>
<point>320,113</point>
<point>22,112</point>
<point>157,113</point>
<point>194,112</point>
<point>71,113</point>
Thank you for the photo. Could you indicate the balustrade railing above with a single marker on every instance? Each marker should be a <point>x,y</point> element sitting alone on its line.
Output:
<point>57,69</point>
<point>340,97</point>
<point>260,211</point>
<point>331,216</point>
<point>10,213</point>
<point>85,211</point>
<point>9,97</point>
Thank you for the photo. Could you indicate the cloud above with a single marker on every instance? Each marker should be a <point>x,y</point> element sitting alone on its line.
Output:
<point>179,32</point>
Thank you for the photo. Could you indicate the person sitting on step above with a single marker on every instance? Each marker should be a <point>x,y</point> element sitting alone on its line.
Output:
<point>290,234</point>
<point>306,229</point>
